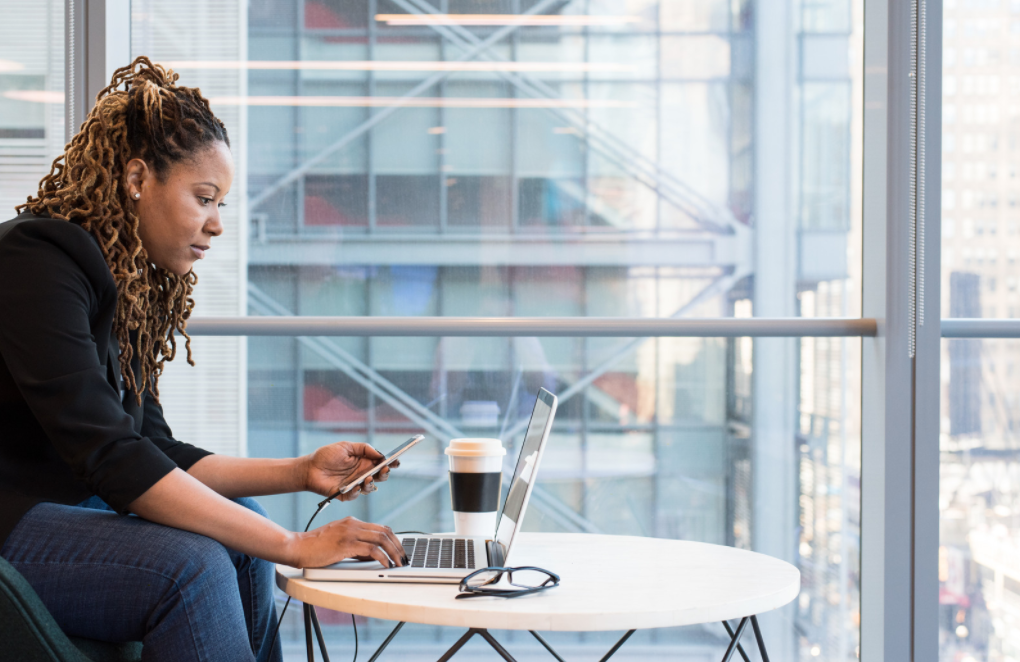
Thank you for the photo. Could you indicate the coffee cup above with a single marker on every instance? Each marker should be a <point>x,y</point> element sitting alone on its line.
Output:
<point>476,474</point>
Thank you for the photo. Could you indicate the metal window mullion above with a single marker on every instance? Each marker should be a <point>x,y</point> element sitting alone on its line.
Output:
<point>657,372</point>
<point>927,363</point>
<point>584,433</point>
<point>369,135</point>
<point>900,367</point>
<point>73,69</point>
<point>298,373</point>
<point>886,372</point>
<point>515,157</point>
<point>98,41</point>
<point>443,160</point>
<point>922,68</point>
<point>918,108</point>
<point>586,113</point>
<point>298,351</point>
<point>296,132</point>
<point>914,137</point>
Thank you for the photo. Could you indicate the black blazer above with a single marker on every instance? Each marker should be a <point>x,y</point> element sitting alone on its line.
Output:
<point>65,432</point>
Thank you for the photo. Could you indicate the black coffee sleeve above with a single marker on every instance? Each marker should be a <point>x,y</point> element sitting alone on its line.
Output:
<point>475,493</point>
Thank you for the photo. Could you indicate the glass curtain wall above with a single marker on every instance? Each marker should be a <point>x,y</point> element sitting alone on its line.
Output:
<point>979,564</point>
<point>543,158</point>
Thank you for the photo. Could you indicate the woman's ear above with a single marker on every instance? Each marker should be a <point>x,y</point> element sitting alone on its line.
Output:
<point>136,176</point>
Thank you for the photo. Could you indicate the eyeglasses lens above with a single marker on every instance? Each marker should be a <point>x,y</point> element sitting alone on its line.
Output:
<point>483,578</point>
<point>529,578</point>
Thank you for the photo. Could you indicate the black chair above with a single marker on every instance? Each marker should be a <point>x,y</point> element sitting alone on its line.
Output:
<point>31,635</point>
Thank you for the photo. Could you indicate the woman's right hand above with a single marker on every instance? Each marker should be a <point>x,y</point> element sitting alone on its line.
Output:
<point>344,539</point>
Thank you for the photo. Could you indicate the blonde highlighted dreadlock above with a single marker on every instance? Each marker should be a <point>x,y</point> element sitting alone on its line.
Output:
<point>163,124</point>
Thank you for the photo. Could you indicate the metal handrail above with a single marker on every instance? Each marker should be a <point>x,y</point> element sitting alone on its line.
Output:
<point>590,327</point>
<point>582,327</point>
<point>980,328</point>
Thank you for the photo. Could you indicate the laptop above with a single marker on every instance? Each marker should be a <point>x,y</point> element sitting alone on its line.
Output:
<point>446,559</point>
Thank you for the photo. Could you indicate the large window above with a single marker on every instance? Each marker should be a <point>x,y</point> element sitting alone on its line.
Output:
<point>498,158</point>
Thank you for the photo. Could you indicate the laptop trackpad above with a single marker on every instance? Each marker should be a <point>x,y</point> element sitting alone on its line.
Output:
<point>355,564</point>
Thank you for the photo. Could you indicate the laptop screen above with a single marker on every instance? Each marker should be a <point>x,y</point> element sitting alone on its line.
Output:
<point>527,463</point>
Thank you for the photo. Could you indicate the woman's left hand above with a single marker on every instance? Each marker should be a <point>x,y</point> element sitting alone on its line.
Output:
<point>333,466</point>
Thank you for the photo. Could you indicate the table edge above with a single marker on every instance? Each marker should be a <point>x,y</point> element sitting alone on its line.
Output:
<point>290,582</point>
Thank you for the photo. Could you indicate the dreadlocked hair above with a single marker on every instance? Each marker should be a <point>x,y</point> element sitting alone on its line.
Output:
<point>155,120</point>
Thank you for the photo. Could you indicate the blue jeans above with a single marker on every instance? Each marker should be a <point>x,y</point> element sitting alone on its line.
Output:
<point>122,578</point>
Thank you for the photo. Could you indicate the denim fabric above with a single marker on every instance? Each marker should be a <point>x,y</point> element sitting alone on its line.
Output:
<point>122,578</point>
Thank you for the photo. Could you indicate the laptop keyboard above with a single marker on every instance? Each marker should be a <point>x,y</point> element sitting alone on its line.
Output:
<point>440,552</point>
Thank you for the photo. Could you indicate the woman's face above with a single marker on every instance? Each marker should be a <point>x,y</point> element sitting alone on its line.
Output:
<point>179,216</point>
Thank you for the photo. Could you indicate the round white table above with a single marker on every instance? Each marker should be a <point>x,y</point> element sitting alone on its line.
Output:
<point>607,583</point>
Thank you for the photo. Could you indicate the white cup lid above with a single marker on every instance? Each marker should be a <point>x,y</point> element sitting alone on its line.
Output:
<point>475,447</point>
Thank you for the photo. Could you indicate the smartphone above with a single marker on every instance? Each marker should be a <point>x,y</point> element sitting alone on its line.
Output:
<point>392,455</point>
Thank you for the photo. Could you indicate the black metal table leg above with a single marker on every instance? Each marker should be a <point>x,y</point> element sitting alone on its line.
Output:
<point>386,642</point>
<point>612,651</point>
<point>312,624</point>
<point>758,638</point>
<point>457,646</point>
<point>740,649</point>
<point>318,634</point>
<point>547,646</point>
<point>735,641</point>
<point>307,608</point>
<point>496,645</point>
<point>615,648</point>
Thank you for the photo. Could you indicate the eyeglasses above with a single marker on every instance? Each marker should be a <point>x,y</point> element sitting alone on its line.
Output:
<point>527,579</point>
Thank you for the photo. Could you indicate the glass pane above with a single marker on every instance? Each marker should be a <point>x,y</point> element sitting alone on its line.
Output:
<point>979,174</point>
<point>652,438</point>
<point>978,564</point>
<point>32,128</point>
<point>979,581</point>
<point>591,159</point>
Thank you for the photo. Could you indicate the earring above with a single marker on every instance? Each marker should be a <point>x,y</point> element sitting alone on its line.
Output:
<point>137,195</point>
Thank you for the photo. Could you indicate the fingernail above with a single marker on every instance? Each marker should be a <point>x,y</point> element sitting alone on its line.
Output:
<point>391,564</point>
<point>406,560</point>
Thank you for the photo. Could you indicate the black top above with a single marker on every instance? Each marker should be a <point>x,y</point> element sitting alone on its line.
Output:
<point>65,432</point>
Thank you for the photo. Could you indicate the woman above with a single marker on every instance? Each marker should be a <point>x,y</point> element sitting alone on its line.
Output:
<point>124,532</point>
